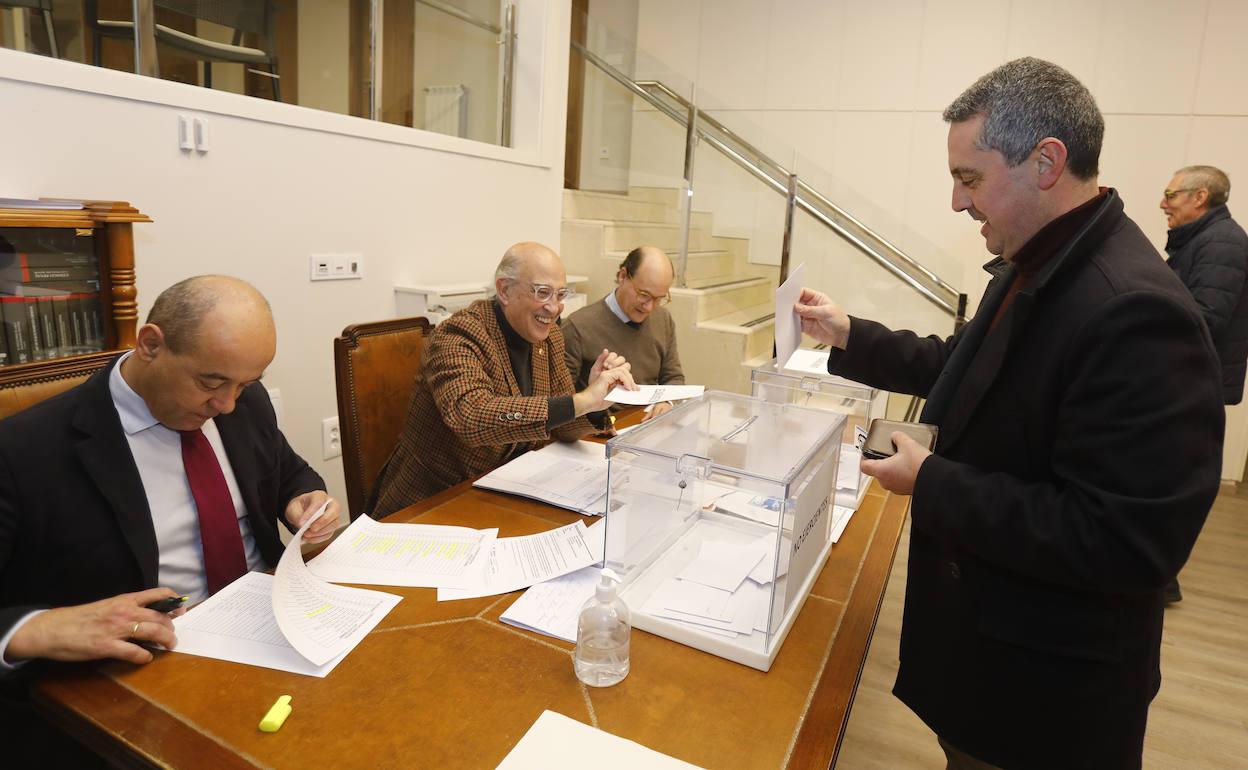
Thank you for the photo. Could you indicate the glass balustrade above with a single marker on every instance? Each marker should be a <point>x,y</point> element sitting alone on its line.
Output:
<point>439,65</point>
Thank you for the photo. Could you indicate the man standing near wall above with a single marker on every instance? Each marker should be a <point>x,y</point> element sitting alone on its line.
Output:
<point>1208,251</point>
<point>1079,449</point>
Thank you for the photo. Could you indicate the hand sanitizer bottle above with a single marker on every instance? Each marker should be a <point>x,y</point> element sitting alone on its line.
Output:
<point>602,633</point>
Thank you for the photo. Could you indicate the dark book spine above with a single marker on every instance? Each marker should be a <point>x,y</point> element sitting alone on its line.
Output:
<point>4,347</point>
<point>76,328</point>
<point>91,303</point>
<point>13,311</point>
<point>53,273</point>
<point>64,331</point>
<point>56,259</point>
<point>34,329</point>
<point>47,322</point>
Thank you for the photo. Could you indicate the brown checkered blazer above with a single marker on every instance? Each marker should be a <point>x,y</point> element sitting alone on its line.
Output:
<point>466,414</point>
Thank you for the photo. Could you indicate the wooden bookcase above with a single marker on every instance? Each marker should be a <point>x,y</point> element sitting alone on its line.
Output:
<point>110,225</point>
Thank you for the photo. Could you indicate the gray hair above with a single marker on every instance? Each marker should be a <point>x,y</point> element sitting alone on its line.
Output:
<point>1209,178</point>
<point>509,267</point>
<point>180,310</point>
<point>1027,100</point>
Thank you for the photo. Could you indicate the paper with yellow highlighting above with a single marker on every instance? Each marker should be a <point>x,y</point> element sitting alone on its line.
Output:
<point>412,555</point>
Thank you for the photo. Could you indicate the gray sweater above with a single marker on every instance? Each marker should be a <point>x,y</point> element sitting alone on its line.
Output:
<point>650,348</point>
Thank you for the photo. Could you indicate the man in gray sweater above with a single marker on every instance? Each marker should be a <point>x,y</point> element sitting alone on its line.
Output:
<point>1208,251</point>
<point>633,321</point>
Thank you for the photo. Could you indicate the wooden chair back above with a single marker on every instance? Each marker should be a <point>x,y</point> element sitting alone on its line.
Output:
<point>375,367</point>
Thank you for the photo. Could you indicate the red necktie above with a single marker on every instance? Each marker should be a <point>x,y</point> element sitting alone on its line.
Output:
<point>224,557</point>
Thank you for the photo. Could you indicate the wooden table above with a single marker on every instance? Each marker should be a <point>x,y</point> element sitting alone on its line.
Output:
<point>448,685</point>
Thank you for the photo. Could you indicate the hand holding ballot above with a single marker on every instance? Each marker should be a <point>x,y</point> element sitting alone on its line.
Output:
<point>822,318</point>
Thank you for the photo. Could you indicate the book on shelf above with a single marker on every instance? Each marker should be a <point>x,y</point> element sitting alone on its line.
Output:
<point>13,315</point>
<point>47,288</point>
<point>19,273</point>
<point>47,324</point>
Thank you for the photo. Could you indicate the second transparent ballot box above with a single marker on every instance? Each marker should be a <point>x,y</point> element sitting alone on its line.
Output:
<point>805,380</point>
<point>718,520</point>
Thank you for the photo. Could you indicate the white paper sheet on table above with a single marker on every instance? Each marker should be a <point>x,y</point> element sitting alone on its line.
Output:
<point>653,394</point>
<point>289,621</point>
<point>570,475</point>
<point>840,519</point>
<point>519,562</point>
<point>557,742</point>
<point>724,565</point>
<point>553,607</point>
<point>413,555</point>
<point>848,473</point>
<point>788,325</point>
<point>807,361</point>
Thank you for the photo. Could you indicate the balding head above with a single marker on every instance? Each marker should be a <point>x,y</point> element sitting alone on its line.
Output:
<point>645,280</point>
<point>205,340</point>
<point>182,310</point>
<point>529,281</point>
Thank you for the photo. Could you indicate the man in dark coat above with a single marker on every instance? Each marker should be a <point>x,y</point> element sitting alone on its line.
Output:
<point>1079,448</point>
<point>1208,251</point>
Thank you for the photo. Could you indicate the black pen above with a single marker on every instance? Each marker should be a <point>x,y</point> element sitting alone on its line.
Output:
<point>167,605</point>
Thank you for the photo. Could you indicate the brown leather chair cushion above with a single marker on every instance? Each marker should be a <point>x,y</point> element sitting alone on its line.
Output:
<point>376,365</point>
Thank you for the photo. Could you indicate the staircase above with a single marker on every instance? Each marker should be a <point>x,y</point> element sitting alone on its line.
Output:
<point>724,316</point>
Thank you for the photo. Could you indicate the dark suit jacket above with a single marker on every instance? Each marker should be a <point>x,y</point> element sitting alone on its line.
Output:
<point>467,413</point>
<point>74,520</point>
<point>1079,452</point>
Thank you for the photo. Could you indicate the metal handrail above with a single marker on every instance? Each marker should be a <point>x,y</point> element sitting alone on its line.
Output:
<point>462,15</point>
<point>776,176</point>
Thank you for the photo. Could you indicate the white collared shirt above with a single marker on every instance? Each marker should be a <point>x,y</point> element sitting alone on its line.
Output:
<point>157,453</point>
<point>614,304</point>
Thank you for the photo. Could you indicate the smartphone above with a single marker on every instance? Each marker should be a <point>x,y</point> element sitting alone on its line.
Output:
<point>879,444</point>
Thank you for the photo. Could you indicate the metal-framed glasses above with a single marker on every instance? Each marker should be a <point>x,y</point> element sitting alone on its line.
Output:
<point>543,293</point>
<point>646,297</point>
<point>1170,194</point>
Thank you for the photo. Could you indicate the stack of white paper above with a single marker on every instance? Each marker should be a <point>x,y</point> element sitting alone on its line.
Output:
<point>570,475</point>
<point>519,562</point>
<point>290,621</point>
<point>417,555</point>
<point>553,607</point>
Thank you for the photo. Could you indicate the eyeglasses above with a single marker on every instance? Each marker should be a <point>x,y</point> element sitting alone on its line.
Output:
<point>543,293</point>
<point>646,297</point>
<point>1169,194</point>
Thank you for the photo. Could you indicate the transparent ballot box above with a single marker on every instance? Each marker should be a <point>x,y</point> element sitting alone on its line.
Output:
<point>718,520</point>
<point>805,381</point>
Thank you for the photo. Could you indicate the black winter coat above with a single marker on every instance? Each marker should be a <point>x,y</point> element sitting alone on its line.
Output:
<point>1210,256</point>
<point>1078,455</point>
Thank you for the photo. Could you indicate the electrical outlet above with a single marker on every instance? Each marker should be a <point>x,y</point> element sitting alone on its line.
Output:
<point>331,439</point>
<point>336,267</point>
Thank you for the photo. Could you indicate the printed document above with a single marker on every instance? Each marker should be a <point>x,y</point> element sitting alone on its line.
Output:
<point>653,394</point>
<point>788,325</point>
<point>556,742</point>
<point>554,607</point>
<point>519,562</point>
<point>289,621</point>
<point>415,555</point>
<point>571,475</point>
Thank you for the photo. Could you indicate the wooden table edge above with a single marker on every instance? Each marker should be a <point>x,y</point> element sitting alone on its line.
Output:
<point>823,726</point>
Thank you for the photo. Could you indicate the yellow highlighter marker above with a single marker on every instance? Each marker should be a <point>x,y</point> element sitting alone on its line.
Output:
<point>277,715</point>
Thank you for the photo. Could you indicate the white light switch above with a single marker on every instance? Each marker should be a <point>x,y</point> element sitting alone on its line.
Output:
<point>185,142</point>
<point>201,134</point>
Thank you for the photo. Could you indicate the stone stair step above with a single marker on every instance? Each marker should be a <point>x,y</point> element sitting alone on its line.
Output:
<point>668,196</point>
<point>725,298</point>
<point>584,204</point>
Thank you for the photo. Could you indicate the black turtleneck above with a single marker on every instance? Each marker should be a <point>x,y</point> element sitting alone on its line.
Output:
<point>559,409</point>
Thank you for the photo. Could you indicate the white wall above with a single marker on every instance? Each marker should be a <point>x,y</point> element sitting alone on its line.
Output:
<point>857,88</point>
<point>418,206</point>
